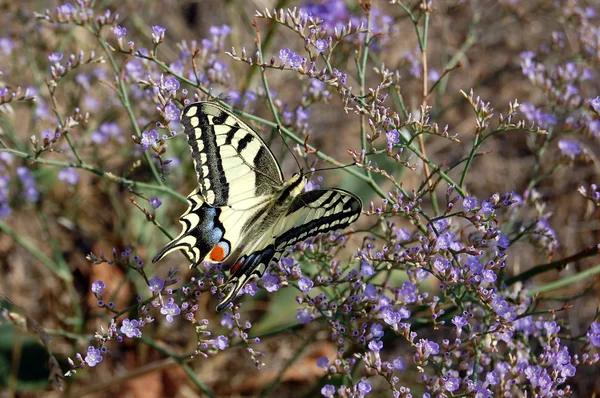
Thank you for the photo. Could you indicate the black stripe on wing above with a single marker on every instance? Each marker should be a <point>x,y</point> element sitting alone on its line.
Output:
<point>204,133</point>
<point>328,210</point>
<point>246,268</point>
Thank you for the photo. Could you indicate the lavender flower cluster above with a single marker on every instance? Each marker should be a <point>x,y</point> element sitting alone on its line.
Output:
<point>423,296</point>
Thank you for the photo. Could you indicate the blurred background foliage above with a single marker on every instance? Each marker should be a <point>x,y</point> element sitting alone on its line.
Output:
<point>43,244</point>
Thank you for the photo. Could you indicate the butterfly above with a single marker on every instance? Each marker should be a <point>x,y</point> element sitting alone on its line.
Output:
<point>243,214</point>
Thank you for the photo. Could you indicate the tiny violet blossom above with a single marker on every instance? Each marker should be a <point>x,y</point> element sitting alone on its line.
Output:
<point>393,137</point>
<point>250,289</point>
<point>399,363</point>
<point>290,58</point>
<point>469,203</point>
<point>221,342</point>
<point>364,387</point>
<point>149,138</point>
<point>323,363</point>
<point>304,316</point>
<point>459,321</point>
<point>172,112</point>
<point>93,356</point>
<point>328,390</point>
<point>305,284</point>
<point>570,148</point>
<point>98,287</point>
<point>156,284</point>
<point>452,384</point>
<point>155,203</point>
<point>69,175</point>
<point>130,328</point>
<point>270,283</point>
<point>158,34</point>
<point>170,309</point>
<point>119,31</point>
<point>595,104</point>
<point>171,84</point>
<point>321,45</point>
<point>375,345</point>
<point>55,57</point>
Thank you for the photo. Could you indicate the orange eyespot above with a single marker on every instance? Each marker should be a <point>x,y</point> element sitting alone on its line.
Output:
<point>219,252</point>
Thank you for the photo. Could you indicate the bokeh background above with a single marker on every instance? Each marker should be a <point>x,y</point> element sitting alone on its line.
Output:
<point>45,277</point>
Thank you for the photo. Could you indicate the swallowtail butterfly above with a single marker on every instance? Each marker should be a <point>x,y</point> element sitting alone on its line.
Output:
<point>243,214</point>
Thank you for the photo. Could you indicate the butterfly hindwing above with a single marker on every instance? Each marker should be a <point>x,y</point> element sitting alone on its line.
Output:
<point>309,214</point>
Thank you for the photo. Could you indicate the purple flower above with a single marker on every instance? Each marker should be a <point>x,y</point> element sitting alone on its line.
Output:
<point>452,384</point>
<point>250,288</point>
<point>223,30</point>
<point>171,84</point>
<point>93,356</point>
<point>434,75</point>
<point>55,57</point>
<point>469,203</point>
<point>393,137</point>
<point>158,33</point>
<point>98,287</point>
<point>569,148</point>
<point>67,8</point>
<point>399,363</point>
<point>409,292</point>
<point>155,203</point>
<point>595,104</point>
<point>6,45</point>
<point>328,390</point>
<point>441,264</point>
<point>428,347</point>
<point>459,321</point>
<point>305,284</point>
<point>170,309</point>
<point>366,269</point>
<point>376,331</point>
<point>149,138</point>
<point>370,292</point>
<point>221,342</point>
<point>390,316</point>
<point>69,175</point>
<point>304,316</point>
<point>130,328</point>
<point>593,334</point>
<point>156,284</point>
<point>119,31</point>
<point>487,207</point>
<point>270,282</point>
<point>30,191</point>
<point>364,387</point>
<point>375,345</point>
<point>492,378</point>
<point>105,132</point>
<point>489,276</point>
<point>321,45</point>
<point>172,112</point>
<point>288,57</point>
<point>323,362</point>
<point>503,241</point>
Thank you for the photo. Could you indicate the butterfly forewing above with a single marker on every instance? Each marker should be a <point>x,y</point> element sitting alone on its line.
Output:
<point>232,162</point>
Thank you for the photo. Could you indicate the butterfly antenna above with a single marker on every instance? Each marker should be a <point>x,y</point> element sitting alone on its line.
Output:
<point>288,147</point>
<point>334,168</point>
